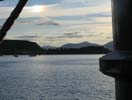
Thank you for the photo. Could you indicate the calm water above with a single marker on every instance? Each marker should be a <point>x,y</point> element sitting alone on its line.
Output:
<point>64,77</point>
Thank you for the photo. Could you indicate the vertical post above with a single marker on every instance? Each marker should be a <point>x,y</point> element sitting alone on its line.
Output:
<point>118,63</point>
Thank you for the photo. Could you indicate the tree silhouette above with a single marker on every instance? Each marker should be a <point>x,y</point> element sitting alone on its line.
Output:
<point>11,19</point>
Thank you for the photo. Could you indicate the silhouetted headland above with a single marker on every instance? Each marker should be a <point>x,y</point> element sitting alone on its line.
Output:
<point>20,47</point>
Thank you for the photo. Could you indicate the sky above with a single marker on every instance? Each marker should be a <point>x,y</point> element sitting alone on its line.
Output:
<point>57,22</point>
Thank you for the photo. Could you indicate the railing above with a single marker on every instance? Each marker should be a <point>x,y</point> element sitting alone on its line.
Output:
<point>118,64</point>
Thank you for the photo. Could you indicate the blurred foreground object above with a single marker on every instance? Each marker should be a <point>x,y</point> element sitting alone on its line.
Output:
<point>11,19</point>
<point>118,64</point>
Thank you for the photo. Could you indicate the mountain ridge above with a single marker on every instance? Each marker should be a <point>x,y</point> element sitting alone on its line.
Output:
<point>78,45</point>
<point>72,45</point>
<point>23,47</point>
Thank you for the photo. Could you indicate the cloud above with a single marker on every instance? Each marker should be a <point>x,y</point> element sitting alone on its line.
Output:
<point>62,3</point>
<point>52,1</point>
<point>81,3</point>
<point>75,37</point>
<point>27,37</point>
<point>7,3</point>
<point>100,14</point>
<point>62,20</point>
<point>70,36</point>
<point>48,23</point>
<point>62,37</point>
<point>62,8</point>
<point>72,33</point>
<point>58,40</point>
<point>87,17</point>
<point>37,21</point>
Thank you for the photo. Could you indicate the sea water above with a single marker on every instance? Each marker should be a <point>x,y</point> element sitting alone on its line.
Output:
<point>54,77</point>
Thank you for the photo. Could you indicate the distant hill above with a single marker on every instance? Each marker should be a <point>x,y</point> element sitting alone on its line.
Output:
<point>78,45</point>
<point>83,50</point>
<point>77,48</point>
<point>48,47</point>
<point>19,47</point>
<point>109,45</point>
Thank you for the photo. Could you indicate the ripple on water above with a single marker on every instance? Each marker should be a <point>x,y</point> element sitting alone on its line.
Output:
<point>65,77</point>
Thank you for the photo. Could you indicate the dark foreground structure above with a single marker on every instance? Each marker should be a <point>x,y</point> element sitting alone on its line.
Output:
<point>118,64</point>
<point>11,19</point>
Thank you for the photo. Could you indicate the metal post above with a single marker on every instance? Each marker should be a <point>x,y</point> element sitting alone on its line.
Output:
<point>118,64</point>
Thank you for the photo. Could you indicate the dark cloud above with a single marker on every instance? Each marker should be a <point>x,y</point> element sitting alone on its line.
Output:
<point>37,21</point>
<point>62,37</point>
<point>73,33</point>
<point>69,36</point>
<point>48,23</point>
<point>72,17</point>
<point>28,37</point>
<point>78,35</point>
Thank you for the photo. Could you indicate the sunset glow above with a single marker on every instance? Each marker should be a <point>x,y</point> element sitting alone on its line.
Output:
<point>38,8</point>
